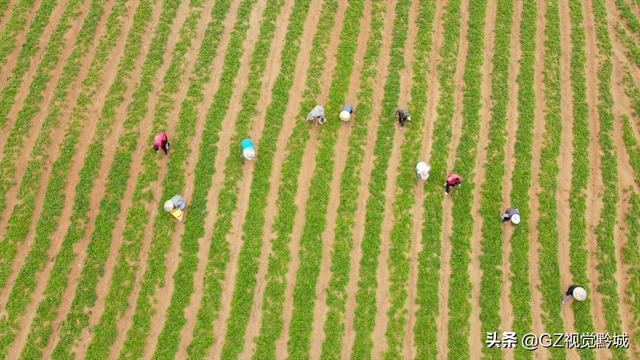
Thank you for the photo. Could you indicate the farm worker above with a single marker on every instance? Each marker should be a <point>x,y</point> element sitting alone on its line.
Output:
<point>452,180</point>
<point>317,114</point>
<point>345,114</point>
<point>161,141</point>
<point>422,170</point>
<point>175,206</point>
<point>574,291</point>
<point>512,214</point>
<point>403,116</point>
<point>248,150</point>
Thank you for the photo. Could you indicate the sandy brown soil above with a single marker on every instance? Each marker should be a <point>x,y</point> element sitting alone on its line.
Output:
<point>25,155</point>
<point>363,193</point>
<point>564,162</point>
<point>290,117</point>
<point>304,183</point>
<point>534,203</point>
<point>418,207</point>
<point>341,153</point>
<point>476,340</point>
<point>57,237</point>
<point>12,57</point>
<point>506,310</point>
<point>456,128</point>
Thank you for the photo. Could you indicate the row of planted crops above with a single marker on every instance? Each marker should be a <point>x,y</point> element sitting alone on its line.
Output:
<point>109,73</point>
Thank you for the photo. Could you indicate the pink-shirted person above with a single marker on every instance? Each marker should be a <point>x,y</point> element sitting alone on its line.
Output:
<point>161,141</point>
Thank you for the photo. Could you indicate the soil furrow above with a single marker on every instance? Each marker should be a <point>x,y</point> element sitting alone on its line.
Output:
<point>341,149</point>
<point>363,193</point>
<point>12,57</point>
<point>534,202</point>
<point>295,98</point>
<point>304,183</point>
<point>456,128</point>
<point>506,309</point>
<point>65,216</point>
<point>84,242</point>
<point>475,272</point>
<point>431,115</point>
<point>565,162</point>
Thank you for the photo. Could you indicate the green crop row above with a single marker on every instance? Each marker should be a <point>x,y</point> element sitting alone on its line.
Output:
<point>254,219</point>
<point>429,258</point>
<point>109,207</point>
<point>632,147</point>
<point>521,177</point>
<point>406,184</point>
<point>630,43</point>
<point>549,269</point>
<point>16,23</point>
<point>46,312</point>
<point>365,313</point>
<point>29,48</point>
<point>607,263</point>
<point>631,258</point>
<point>128,261</point>
<point>632,90</point>
<point>310,253</point>
<point>629,17</point>
<point>272,306</point>
<point>349,183</point>
<point>580,171</point>
<point>21,126</point>
<point>4,4</point>
<point>491,190</point>
<point>194,226</point>
<point>459,283</point>
<point>54,196</point>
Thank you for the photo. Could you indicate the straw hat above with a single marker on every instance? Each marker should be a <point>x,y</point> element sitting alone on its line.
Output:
<point>515,219</point>
<point>579,294</point>
<point>168,205</point>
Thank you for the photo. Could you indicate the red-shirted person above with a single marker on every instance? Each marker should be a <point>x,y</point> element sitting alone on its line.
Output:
<point>161,141</point>
<point>452,180</point>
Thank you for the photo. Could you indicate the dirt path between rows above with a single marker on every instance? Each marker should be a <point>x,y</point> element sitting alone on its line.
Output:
<point>290,117</point>
<point>506,309</point>
<point>29,141</point>
<point>442,321</point>
<point>304,184</point>
<point>341,151</point>
<point>475,271</point>
<point>107,76</point>
<point>21,97</point>
<point>12,57</point>
<point>595,186</point>
<point>565,161</point>
<point>425,153</point>
<point>433,96</point>
<point>100,184</point>
<point>382,272</point>
<point>363,188</point>
<point>534,190</point>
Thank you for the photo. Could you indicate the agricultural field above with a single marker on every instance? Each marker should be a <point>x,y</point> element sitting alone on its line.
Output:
<point>325,245</point>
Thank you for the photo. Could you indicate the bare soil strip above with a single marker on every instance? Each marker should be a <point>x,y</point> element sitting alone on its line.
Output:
<point>295,97</point>
<point>56,137</point>
<point>304,183</point>
<point>425,153</point>
<point>96,196</point>
<point>108,75</point>
<point>534,205</point>
<point>341,150</point>
<point>506,309</point>
<point>595,186</point>
<point>367,167</point>
<point>565,165</point>
<point>475,272</point>
<point>456,129</point>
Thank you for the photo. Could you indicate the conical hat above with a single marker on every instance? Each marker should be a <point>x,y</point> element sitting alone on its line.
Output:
<point>345,116</point>
<point>579,294</point>
<point>515,219</point>
<point>248,153</point>
<point>168,205</point>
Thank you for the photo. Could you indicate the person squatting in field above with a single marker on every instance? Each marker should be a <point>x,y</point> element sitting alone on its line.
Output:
<point>452,181</point>
<point>161,141</point>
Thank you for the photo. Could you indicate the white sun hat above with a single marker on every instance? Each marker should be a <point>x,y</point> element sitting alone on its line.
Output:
<point>515,219</point>
<point>345,116</point>
<point>579,294</point>
<point>168,205</point>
